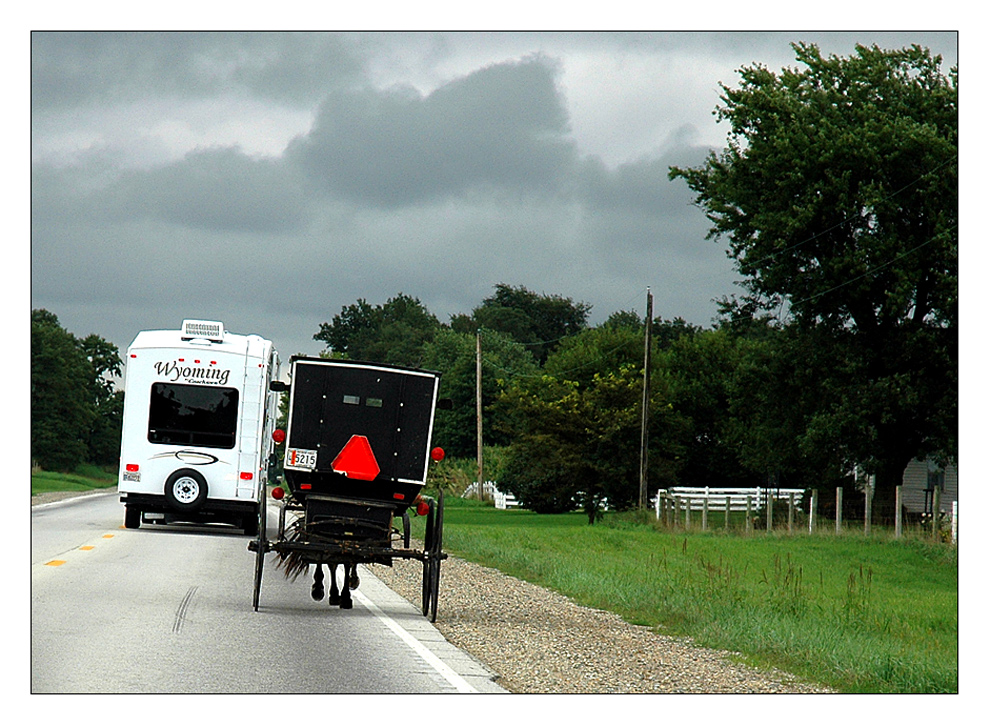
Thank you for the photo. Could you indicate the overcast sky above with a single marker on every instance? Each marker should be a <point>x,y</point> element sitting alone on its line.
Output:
<point>268,180</point>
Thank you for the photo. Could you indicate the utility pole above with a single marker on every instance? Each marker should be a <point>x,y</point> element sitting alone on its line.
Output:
<point>644,423</point>
<point>481,464</point>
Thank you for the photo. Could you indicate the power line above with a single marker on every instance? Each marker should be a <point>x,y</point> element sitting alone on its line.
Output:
<point>876,269</point>
<point>850,218</point>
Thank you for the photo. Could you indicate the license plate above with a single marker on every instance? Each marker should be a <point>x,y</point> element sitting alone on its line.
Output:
<point>132,476</point>
<point>300,458</point>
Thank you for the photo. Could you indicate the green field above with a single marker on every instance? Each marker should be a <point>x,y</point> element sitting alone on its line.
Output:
<point>859,614</point>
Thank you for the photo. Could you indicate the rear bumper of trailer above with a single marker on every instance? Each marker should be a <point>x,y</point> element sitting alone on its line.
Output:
<point>212,510</point>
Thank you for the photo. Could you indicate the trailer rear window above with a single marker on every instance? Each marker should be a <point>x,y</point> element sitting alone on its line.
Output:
<point>194,415</point>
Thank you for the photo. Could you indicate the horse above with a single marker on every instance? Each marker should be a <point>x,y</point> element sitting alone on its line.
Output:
<point>350,581</point>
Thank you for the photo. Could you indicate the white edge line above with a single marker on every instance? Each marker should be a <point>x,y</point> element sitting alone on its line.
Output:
<point>442,668</point>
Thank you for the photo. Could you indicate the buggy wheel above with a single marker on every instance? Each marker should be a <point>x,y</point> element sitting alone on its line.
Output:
<point>431,563</point>
<point>428,558</point>
<point>262,545</point>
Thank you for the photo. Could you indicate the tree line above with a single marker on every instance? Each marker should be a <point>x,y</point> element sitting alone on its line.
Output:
<point>76,411</point>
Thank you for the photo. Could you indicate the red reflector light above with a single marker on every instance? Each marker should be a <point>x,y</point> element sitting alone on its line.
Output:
<point>305,486</point>
<point>247,476</point>
<point>398,495</point>
<point>278,493</point>
<point>132,467</point>
<point>437,454</point>
<point>278,436</point>
<point>422,507</point>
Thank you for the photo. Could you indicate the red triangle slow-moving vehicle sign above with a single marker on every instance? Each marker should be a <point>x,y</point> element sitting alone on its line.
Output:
<point>356,460</point>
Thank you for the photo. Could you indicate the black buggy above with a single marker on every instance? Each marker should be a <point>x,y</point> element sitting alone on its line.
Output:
<point>357,451</point>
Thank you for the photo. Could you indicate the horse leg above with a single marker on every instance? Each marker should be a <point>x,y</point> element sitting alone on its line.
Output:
<point>317,591</point>
<point>354,581</point>
<point>345,590</point>
<point>334,592</point>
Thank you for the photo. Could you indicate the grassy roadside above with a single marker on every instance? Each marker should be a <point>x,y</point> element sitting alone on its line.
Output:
<point>859,614</point>
<point>84,478</point>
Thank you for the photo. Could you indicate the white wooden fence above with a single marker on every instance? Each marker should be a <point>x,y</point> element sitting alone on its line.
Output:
<point>718,498</point>
<point>505,501</point>
<point>490,491</point>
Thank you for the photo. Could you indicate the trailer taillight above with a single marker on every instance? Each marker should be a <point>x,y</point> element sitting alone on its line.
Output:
<point>247,475</point>
<point>132,467</point>
<point>278,436</point>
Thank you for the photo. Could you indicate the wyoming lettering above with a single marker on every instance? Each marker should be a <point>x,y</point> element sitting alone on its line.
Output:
<point>173,371</point>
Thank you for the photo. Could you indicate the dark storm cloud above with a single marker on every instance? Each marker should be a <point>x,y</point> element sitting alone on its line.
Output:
<point>83,68</point>
<point>501,127</point>
<point>214,189</point>
<point>270,179</point>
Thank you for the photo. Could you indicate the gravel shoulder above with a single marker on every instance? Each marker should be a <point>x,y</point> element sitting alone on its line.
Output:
<point>539,641</point>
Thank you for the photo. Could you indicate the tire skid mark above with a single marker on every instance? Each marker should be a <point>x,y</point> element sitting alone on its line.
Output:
<point>180,613</point>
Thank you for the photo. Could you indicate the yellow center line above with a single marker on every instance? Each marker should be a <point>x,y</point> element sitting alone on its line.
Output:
<point>88,547</point>
<point>108,536</point>
<point>55,563</point>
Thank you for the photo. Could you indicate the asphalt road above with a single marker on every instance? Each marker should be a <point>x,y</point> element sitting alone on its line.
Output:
<point>167,609</point>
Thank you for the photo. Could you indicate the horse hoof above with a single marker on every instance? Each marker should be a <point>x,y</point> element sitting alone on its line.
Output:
<point>317,593</point>
<point>346,604</point>
<point>334,600</point>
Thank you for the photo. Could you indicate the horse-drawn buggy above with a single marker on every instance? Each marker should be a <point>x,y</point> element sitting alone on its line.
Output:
<point>357,450</point>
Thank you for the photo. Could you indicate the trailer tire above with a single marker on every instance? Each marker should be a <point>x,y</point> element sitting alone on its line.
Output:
<point>185,490</point>
<point>132,517</point>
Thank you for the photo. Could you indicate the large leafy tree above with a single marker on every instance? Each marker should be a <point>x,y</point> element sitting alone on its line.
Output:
<point>454,354</point>
<point>575,431</point>
<point>391,333</point>
<point>538,321</point>
<point>837,195</point>
<point>108,403</point>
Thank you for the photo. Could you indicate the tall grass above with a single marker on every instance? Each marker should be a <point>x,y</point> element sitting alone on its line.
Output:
<point>83,478</point>
<point>858,614</point>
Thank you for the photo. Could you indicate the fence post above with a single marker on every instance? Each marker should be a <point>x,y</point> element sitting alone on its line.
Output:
<point>869,505</point>
<point>936,504</point>
<point>687,513</point>
<point>838,510</point>
<point>955,521</point>
<point>769,510</point>
<point>749,509</point>
<point>790,513</point>
<point>704,513</point>
<point>814,508</point>
<point>898,524</point>
<point>728,506</point>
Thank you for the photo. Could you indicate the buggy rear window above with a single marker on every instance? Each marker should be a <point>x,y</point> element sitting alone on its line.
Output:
<point>194,415</point>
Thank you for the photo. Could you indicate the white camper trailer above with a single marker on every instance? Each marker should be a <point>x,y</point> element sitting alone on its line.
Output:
<point>198,420</point>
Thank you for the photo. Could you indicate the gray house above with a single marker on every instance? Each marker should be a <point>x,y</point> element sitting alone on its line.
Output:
<point>921,479</point>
